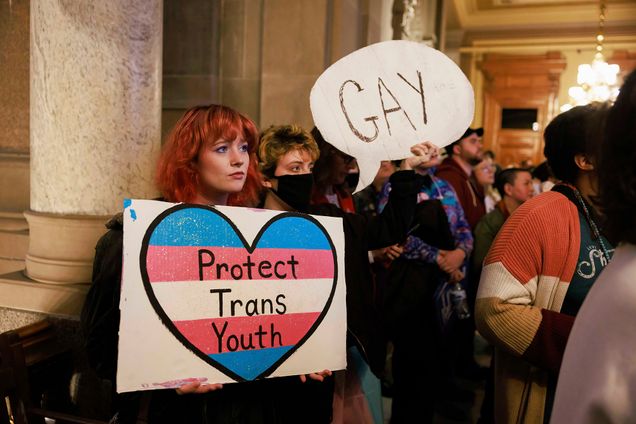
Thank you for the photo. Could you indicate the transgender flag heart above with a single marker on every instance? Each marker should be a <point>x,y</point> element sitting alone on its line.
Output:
<point>243,308</point>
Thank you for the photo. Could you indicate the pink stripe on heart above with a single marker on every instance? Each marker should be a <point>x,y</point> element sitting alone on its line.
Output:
<point>181,263</point>
<point>292,328</point>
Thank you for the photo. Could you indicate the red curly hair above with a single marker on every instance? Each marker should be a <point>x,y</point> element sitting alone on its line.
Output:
<point>178,179</point>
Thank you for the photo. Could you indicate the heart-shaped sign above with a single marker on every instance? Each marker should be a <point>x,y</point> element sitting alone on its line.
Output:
<point>243,308</point>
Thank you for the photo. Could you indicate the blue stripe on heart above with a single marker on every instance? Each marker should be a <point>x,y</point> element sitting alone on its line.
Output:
<point>194,227</point>
<point>294,233</point>
<point>249,364</point>
<point>199,227</point>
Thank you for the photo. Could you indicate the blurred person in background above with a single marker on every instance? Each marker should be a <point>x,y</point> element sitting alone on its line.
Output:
<point>330,175</point>
<point>366,200</point>
<point>542,178</point>
<point>484,175</point>
<point>515,185</point>
<point>457,168</point>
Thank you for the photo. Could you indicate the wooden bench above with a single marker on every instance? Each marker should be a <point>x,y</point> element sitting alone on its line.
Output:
<point>35,371</point>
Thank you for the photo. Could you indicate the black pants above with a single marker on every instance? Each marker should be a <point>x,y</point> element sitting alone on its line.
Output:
<point>419,362</point>
<point>420,371</point>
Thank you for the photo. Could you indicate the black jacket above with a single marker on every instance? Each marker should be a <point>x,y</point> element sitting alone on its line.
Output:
<point>362,234</point>
<point>275,400</point>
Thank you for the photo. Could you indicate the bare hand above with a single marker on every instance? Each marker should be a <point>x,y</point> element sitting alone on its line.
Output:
<point>456,276</point>
<point>318,376</point>
<point>450,260</point>
<point>198,388</point>
<point>425,156</point>
<point>393,252</point>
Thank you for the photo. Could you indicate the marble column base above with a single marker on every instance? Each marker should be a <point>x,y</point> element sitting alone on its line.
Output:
<point>62,247</point>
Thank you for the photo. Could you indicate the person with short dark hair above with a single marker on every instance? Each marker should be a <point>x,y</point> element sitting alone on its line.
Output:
<point>597,382</point>
<point>457,168</point>
<point>543,178</point>
<point>539,269</point>
<point>330,175</point>
<point>515,187</point>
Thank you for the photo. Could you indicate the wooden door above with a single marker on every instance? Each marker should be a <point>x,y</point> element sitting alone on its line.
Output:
<point>520,99</point>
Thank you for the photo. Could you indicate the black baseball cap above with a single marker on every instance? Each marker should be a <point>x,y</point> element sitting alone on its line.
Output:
<point>469,131</point>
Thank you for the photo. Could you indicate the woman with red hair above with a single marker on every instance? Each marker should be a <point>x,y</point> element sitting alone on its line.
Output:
<point>188,171</point>
<point>208,159</point>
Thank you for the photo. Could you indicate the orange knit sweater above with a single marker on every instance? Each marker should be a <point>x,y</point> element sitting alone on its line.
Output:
<point>523,284</point>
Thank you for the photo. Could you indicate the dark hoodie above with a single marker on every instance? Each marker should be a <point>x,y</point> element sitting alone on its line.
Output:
<point>470,194</point>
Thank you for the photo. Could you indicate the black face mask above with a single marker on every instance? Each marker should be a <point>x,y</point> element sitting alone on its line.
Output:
<point>352,180</point>
<point>295,190</point>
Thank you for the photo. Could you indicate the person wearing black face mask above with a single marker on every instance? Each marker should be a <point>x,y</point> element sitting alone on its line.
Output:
<point>287,154</point>
<point>286,158</point>
<point>295,190</point>
<point>292,190</point>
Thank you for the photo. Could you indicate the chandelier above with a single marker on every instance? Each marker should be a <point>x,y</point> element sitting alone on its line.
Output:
<point>597,82</point>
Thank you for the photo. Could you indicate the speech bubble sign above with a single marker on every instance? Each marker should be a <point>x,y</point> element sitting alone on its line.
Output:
<point>377,102</point>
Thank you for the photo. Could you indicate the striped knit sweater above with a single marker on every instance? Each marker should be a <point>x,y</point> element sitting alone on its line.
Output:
<point>523,284</point>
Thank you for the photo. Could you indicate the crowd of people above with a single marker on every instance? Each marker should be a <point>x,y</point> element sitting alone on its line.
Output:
<point>435,250</point>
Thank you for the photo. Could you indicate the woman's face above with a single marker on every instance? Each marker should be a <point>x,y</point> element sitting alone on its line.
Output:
<point>485,172</point>
<point>521,189</point>
<point>294,162</point>
<point>222,167</point>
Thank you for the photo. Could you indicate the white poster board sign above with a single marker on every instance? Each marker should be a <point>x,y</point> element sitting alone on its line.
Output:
<point>228,294</point>
<point>377,102</point>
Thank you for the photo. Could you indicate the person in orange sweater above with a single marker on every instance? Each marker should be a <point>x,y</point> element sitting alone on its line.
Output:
<point>540,268</point>
<point>597,381</point>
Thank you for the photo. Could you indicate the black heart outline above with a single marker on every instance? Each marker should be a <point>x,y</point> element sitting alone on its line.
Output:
<point>250,248</point>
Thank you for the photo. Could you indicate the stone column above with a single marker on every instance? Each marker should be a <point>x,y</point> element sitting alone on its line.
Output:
<point>241,40</point>
<point>95,125</point>
<point>295,52</point>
